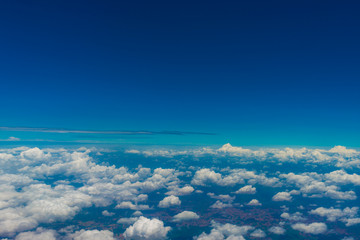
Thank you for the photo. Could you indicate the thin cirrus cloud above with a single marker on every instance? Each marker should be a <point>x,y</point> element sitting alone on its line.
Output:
<point>115,132</point>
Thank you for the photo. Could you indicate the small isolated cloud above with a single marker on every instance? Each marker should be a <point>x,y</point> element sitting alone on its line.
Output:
<point>106,213</point>
<point>248,189</point>
<point>147,229</point>
<point>282,196</point>
<point>312,228</point>
<point>39,234</point>
<point>258,233</point>
<point>277,230</point>
<point>185,216</point>
<point>254,202</point>
<point>133,151</point>
<point>220,204</point>
<point>169,201</point>
<point>293,217</point>
<point>222,197</point>
<point>11,139</point>
<point>137,214</point>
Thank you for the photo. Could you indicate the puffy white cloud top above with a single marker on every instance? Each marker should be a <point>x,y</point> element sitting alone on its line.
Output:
<point>254,202</point>
<point>277,230</point>
<point>282,196</point>
<point>46,186</point>
<point>226,231</point>
<point>312,228</point>
<point>93,235</point>
<point>147,229</point>
<point>248,189</point>
<point>169,201</point>
<point>39,234</point>
<point>185,216</point>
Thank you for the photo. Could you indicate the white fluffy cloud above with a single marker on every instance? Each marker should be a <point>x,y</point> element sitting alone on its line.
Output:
<point>297,216</point>
<point>206,177</point>
<point>254,202</point>
<point>174,190</point>
<point>282,196</point>
<point>277,230</point>
<point>147,229</point>
<point>352,221</point>
<point>258,233</point>
<point>169,201</point>
<point>185,216</point>
<point>48,185</point>
<point>333,214</point>
<point>220,204</point>
<point>27,200</point>
<point>39,234</point>
<point>312,228</point>
<point>248,189</point>
<point>226,231</point>
<point>132,206</point>
<point>93,235</point>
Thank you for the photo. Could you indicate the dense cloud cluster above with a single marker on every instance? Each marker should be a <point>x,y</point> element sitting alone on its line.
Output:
<point>29,197</point>
<point>338,156</point>
<point>40,187</point>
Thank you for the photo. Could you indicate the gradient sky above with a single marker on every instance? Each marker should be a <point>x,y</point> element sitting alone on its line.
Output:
<point>251,72</point>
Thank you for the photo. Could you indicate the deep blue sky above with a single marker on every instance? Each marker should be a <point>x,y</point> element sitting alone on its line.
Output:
<point>253,72</point>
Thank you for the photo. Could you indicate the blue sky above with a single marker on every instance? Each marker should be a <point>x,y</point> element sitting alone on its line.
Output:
<point>251,72</point>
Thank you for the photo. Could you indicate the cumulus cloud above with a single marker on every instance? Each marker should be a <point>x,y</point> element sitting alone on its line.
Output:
<point>169,201</point>
<point>351,221</point>
<point>297,216</point>
<point>93,235</point>
<point>144,228</point>
<point>219,204</point>
<point>185,216</point>
<point>39,234</point>
<point>222,197</point>
<point>312,228</point>
<point>339,155</point>
<point>333,214</point>
<point>174,190</point>
<point>50,185</point>
<point>130,205</point>
<point>254,202</point>
<point>213,235</point>
<point>248,189</point>
<point>206,177</point>
<point>277,230</point>
<point>258,233</point>
<point>342,177</point>
<point>228,231</point>
<point>27,200</point>
<point>106,213</point>
<point>282,196</point>
<point>315,185</point>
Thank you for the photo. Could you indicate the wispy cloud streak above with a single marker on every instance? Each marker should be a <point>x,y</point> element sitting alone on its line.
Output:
<point>115,132</point>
